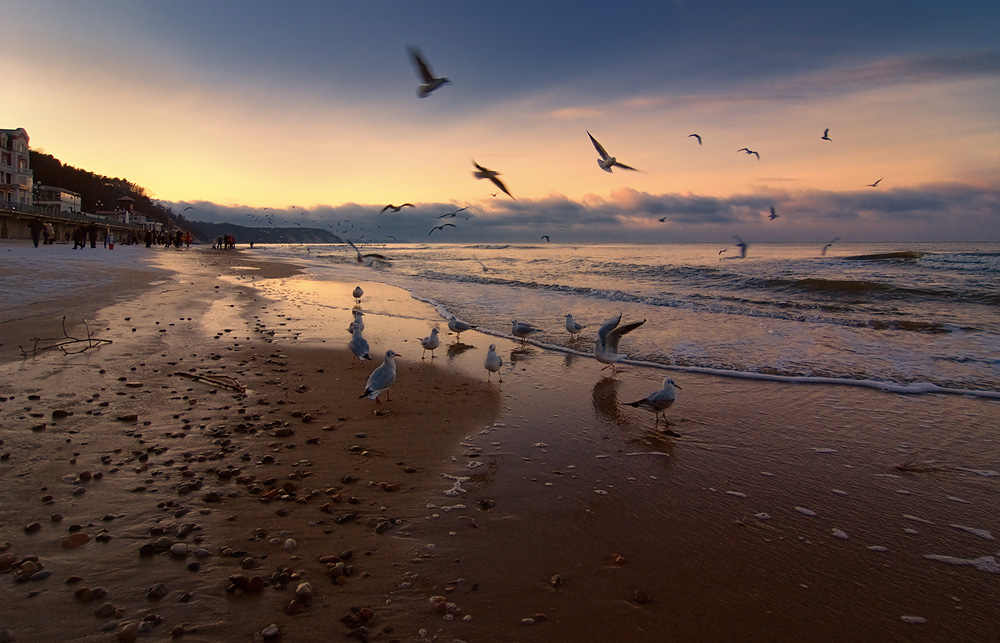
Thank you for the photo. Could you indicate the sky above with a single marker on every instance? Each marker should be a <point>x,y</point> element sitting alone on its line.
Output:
<point>307,111</point>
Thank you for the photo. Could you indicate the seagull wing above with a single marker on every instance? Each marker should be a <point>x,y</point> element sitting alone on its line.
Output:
<point>606,328</point>
<point>497,182</point>
<point>625,167</point>
<point>422,68</point>
<point>615,335</point>
<point>600,148</point>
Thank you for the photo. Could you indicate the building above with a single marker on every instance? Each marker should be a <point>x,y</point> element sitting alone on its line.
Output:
<point>15,170</point>
<point>53,200</point>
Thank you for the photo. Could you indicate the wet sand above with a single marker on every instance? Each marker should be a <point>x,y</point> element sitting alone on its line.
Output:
<point>539,509</point>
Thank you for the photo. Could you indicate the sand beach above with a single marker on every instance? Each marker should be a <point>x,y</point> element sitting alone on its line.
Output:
<point>209,474</point>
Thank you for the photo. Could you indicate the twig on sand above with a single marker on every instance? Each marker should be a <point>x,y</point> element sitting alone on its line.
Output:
<point>78,344</point>
<point>219,380</point>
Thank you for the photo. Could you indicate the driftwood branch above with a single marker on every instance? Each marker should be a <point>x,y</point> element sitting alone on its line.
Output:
<point>218,380</point>
<point>68,344</point>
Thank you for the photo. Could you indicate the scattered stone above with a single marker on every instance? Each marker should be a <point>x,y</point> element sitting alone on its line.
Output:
<point>75,540</point>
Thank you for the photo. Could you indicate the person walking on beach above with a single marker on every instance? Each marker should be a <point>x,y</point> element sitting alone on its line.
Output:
<point>148,238</point>
<point>79,237</point>
<point>36,230</point>
<point>48,234</point>
<point>92,234</point>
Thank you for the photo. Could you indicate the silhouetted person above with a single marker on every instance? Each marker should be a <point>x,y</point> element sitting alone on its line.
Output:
<point>36,227</point>
<point>92,234</point>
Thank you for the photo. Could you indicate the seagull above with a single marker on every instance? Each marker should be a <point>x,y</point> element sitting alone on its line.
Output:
<point>190,207</point>
<point>483,173</point>
<point>396,208</point>
<point>358,323</point>
<point>721,251</point>
<point>430,81</point>
<point>359,345</point>
<point>749,151</point>
<point>546,237</point>
<point>381,379</point>
<point>826,135</point>
<point>875,184</point>
<point>773,215</point>
<point>357,294</point>
<point>659,401</point>
<point>573,326</point>
<point>606,346</point>
<point>367,258</point>
<point>430,342</point>
<point>441,227</point>
<point>835,240</point>
<point>493,362</point>
<point>522,330</point>
<point>697,136</point>
<point>607,161</point>
<point>452,214</point>
<point>742,245</point>
<point>458,326</point>
<point>663,219</point>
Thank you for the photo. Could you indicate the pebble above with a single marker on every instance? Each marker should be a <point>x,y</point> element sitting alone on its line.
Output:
<point>75,540</point>
<point>156,592</point>
<point>180,550</point>
<point>106,609</point>
<point>128,632</point>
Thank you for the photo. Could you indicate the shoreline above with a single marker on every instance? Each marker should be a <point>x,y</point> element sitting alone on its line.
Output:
<point>649,536</point>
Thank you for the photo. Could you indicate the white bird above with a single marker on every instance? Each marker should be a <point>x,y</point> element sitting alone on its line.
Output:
<point>381,379</point>
<point>430,81</point>
<point>522,330</point>
<point>493,363</point>
<point>358,293</point>
<point>358,323</point>
<point>430,342</point>
<point>458,326</point>
<point>606,346</point>
<point>484,173</point>
<point>573,326</point>
<point>659,401</point>
<point>607,161</point>
<point>359,345</point>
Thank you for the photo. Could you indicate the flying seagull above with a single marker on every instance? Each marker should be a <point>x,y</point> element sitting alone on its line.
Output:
<point>826,135</point>
<point>659,401</point>
<point>190,207</point>
<point>546,237</point>
<point>835,240</point>
<point>606,346</point>
<point>697,136</point>
<point>663,219</point>
<point>483,173</point>
<point>742,245</point>
<point>749,152</point>
<point>396,208</point>
<point>452,214</point>
<point>773,215</point>
<point>607,161</point>
<point>430,81</point>
<point>441,227</point>
<point>875,184</point>
<point>367,258</point>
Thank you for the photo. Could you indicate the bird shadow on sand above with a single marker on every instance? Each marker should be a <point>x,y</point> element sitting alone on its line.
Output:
<point>456,349</point>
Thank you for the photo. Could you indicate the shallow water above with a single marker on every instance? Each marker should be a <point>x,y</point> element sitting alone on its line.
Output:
<point>895,316</point>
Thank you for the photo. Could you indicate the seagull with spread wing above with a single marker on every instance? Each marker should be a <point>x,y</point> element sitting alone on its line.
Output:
<point>484,173</point>
<point>608,337</point>
<point>396,208</point>
<point>430,82</point>
<point>441,227</point>
<point>607,161</point>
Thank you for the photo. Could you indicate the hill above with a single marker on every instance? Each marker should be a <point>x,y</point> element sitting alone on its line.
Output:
<point>270,234</point>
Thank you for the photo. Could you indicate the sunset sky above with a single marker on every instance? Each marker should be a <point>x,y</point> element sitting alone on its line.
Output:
<point>231,107</point>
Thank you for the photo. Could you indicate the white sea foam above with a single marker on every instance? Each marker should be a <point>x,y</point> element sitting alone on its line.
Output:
<point>982,533</point>
<point>986,564</point>
<point>805,512</point>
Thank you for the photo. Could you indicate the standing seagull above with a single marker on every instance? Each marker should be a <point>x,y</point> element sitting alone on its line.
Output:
<point>697,136</point>
<point>381,379</point>
<point>483,173</point>
<point>493,363</point>
<point>357,294</point>
<point>574,327</point>
<point>430,342</point>
<point>430,81</point>
<point>659,401</point>
<point>359,346</point>
<point>522,330</point>
<point>606,346</point>
<point>607,161</point>
<point>458,327</point>
<point>826,135</point>
<point>358,323</point>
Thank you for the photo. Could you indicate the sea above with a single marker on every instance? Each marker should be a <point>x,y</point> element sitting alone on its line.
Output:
<point>903,317</point>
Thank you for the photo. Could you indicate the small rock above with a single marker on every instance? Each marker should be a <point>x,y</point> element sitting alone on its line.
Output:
<point>75,540</point>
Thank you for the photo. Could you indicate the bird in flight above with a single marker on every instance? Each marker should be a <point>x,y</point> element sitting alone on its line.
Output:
<point>452,214</point>
<point>826,135</point>
<point>749,151</point>
<point>430,81</point>
<point>608,337</point>
<point>441,227</point>
<point>697,136</point>
<point>607,161</point>
<point>396,208</point>
<point>875,184</point>
<point>546,237</point>
<point>190,207</point>
<point>369,258</point>
<point>742,245</point>
<point>663,219</point>
<point>835,240</point>
<point>773,215</point>
<point>483,173</point>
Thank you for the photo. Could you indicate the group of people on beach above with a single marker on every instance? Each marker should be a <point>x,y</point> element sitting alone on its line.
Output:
<point>225,242</point>
<point>42,231</point>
